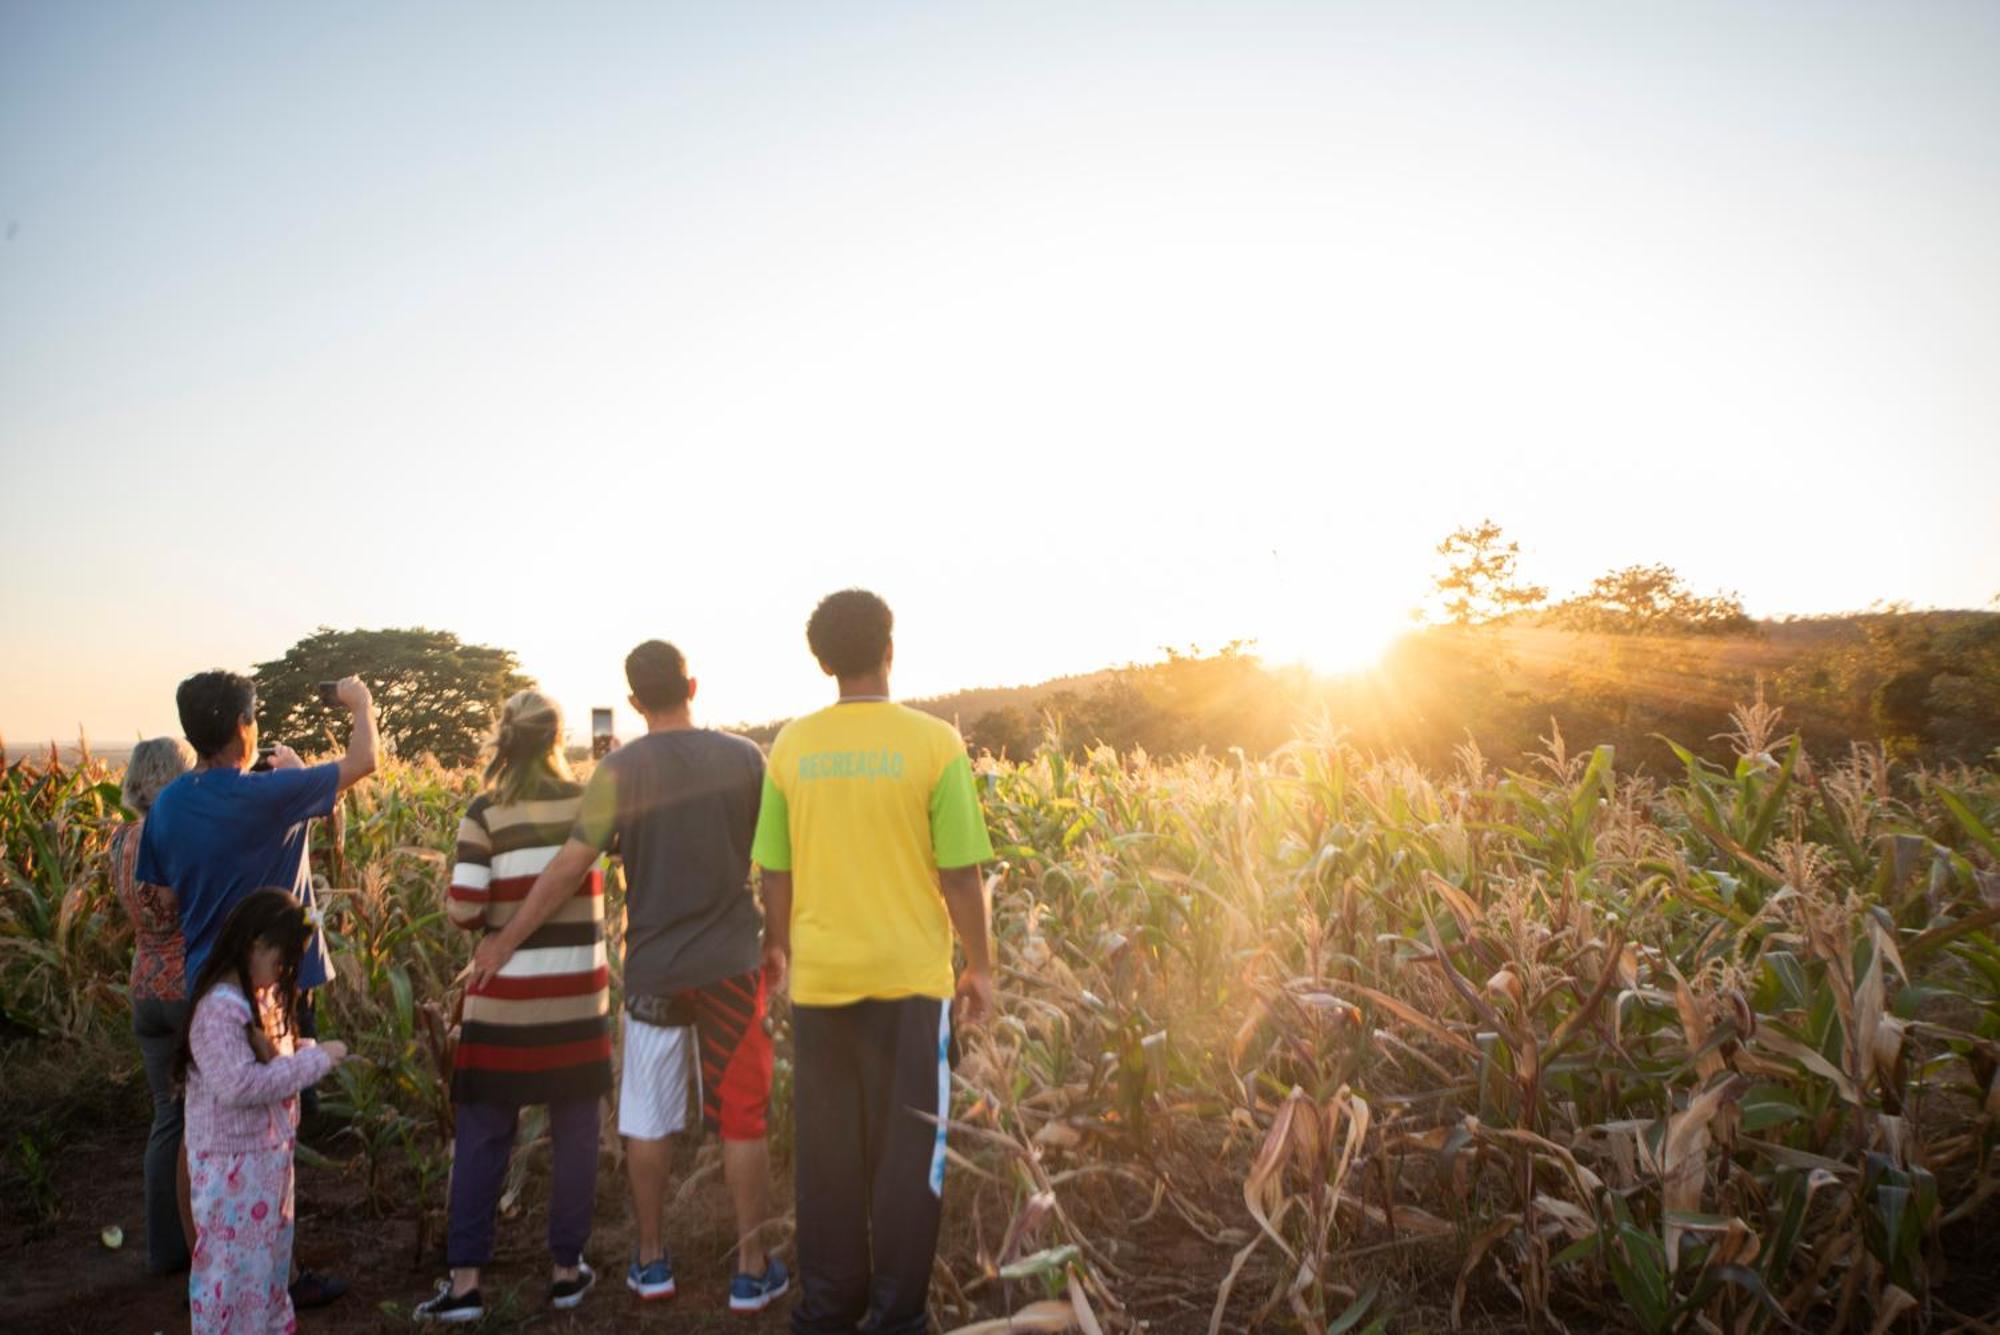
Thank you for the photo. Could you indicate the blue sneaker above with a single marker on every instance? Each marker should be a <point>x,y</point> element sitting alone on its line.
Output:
<point>653,1280</point>
<point>754,1293</point>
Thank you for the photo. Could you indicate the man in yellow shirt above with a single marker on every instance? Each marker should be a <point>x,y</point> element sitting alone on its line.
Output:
<point>870,839</point>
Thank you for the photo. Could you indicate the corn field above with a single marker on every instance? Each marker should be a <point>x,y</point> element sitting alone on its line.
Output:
<point>1326,1042</point>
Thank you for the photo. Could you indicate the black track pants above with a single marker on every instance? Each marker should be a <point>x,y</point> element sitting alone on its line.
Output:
<point>870,1170</point>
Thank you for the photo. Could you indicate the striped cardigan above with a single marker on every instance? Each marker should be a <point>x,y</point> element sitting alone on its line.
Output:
<point>538,1032</point>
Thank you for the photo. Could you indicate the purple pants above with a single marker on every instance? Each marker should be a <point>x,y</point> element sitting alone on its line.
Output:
<point>485,1137</point>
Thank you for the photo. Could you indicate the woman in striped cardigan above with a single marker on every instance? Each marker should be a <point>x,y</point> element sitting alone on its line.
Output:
<point>539,1031</point>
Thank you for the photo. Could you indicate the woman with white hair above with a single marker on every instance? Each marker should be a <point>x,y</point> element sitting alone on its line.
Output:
<point>159,1001</point>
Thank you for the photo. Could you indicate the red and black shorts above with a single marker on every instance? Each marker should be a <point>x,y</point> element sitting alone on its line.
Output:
<point>706,1044</point>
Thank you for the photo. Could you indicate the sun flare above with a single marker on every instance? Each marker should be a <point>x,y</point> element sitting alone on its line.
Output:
<point>1337,646</point>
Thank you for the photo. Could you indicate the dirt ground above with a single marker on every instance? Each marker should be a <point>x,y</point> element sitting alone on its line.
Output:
<point>70,1165</point>
<point>56,1275</point>
<point>59,1277</point>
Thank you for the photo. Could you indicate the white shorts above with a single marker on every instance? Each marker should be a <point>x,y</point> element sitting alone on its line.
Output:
<point>659,1081</point>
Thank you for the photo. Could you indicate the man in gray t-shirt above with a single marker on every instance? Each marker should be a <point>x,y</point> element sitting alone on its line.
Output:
<point>679,806</point>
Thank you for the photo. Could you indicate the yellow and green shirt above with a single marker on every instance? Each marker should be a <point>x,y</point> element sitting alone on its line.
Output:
<point>863,802</point>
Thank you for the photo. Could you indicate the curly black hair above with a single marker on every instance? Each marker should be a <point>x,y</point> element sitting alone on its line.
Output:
<point>849,632</point>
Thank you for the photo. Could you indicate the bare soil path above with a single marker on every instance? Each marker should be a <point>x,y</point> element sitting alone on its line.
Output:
<point>58,1276</point>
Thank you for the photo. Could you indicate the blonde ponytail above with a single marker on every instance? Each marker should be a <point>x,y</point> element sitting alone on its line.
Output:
<point>527,748</point>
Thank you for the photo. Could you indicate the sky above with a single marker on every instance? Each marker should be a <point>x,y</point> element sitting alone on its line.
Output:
<point>1075,330</point>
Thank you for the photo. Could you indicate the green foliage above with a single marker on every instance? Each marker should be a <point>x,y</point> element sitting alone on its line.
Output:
<point>1600,1037</point>
<point>1925,683</point>
<point>1650,600</point>
<point>33,1173</point>
<point>433,695</point>
<point>59,946</point>
<point>1480,583</point>
<point>1949,693</point>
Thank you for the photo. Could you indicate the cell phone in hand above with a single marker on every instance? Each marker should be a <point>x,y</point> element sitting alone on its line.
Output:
<point>264,754</point>
<point>329,693</point>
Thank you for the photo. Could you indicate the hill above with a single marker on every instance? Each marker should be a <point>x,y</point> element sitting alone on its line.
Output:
<point>1924,684</point>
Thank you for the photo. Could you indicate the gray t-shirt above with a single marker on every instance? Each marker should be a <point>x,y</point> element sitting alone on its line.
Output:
<point>682,807</point>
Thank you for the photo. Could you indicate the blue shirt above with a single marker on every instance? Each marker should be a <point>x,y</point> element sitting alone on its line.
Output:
<point>215,835</point>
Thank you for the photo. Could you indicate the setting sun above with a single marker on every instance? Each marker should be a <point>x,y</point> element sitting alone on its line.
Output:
<point>1340,646</point>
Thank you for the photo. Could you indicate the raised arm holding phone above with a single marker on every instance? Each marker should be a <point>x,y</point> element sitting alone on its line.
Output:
<point>222,831</point>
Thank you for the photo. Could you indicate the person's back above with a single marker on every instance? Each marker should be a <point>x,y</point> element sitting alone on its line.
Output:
<point>860,783</point>
<point>158,991</point>
<point>216,834</point>
<point>681,807</point>
<point>536,1030</point>
<point>870,839</point>
<point>222,830</point>
<point>538,1033</point>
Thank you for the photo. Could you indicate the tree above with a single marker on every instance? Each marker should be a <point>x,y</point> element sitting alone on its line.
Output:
<point>434,695</point>
<point>1480,584</point>
<point>1006,731</point>
<point>1640,600</point>
<point>1944,691</point>
<point>1964,696</point>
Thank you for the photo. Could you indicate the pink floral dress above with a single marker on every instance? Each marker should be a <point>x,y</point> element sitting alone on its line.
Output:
<point>242,1118</point>
<point>243,1215</point>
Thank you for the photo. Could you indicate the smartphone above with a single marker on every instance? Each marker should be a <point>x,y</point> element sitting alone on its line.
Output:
<point>329,693</point>
<point>600,733</point>
<point>264,754</point>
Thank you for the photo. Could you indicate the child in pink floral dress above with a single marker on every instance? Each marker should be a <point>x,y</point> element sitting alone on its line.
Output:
<point>244,1070</point>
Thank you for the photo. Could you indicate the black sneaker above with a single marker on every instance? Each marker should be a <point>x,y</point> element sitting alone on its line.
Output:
<point>312,1290</point>
<point>567,1293</point>
<point>447,1309</point>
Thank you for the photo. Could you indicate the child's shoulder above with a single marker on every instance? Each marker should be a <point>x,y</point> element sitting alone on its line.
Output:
<point>229,998</point>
